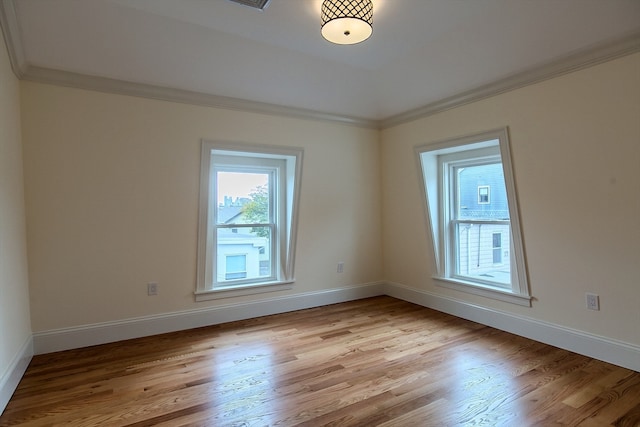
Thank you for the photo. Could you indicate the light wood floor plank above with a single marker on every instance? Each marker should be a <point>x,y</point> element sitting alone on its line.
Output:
<point>373,362</point>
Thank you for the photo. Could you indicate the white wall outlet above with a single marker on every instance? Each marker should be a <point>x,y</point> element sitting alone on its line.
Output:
<point>593,301</point>
<point>340,267</point>
<point>152,288</point>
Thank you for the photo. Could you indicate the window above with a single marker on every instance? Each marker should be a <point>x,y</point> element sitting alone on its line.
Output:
<point>235,267</point>
<point>497,248</point>
<point>248,216</point>
<point>473,216</point>
<point>483,194</point>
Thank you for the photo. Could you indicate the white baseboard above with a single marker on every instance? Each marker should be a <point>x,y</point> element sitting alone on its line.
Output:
<point>12,376</point>
<point>616,352</point>
<point>602,348</point>
<point>100,333</point>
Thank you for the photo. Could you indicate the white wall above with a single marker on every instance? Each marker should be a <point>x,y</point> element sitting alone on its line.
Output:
<point>575,143</point>
<point>112,194</point>
<point>112,202</point>
<point>15,327</point>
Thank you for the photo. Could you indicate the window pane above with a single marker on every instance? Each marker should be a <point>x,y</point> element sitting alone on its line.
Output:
<point>481,192</point>
<point>243,197</point>
<point>243,253</point>
<point>481,250</point>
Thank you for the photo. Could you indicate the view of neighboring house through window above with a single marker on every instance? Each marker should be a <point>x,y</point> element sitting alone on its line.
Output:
<point>477,220</point>
<point>248,211</point>
<point>472,209</point>
<point>245,218</point>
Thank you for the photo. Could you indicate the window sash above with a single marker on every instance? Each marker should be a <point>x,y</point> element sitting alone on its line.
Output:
<point>248,166</point>
<point>450,191</point>
<point>241,165</point>
<point>466,251</point>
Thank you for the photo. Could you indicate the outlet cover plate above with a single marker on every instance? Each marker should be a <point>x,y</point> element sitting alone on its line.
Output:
<point>152,288</point>
<point>593,301</point>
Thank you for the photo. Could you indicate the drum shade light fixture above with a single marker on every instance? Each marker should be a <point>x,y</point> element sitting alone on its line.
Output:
<point>347,21</point>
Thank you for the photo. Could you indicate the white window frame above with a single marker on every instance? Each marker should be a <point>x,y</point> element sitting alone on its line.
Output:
<point>275,170</point>
<point>436,188</point>
<point>286,165</point>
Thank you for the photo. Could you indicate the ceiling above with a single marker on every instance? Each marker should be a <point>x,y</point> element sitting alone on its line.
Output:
<point>421,52</point>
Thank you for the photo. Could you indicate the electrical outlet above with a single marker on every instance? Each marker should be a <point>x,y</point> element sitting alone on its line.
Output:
<point>152,288</point>
<point>593,301</point>
<point>340,267</point>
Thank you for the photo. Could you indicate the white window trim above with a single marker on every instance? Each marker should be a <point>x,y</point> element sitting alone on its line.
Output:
<point>284,278</point>
<point>431,182</point>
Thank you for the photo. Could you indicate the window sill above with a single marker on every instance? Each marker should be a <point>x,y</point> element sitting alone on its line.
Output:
<point>242,290</point>
<point>484,291</point>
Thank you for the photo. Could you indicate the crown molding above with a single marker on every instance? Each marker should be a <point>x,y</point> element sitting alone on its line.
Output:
<point>122,87</point>
<point>25,71</point>
<point>11,32</point>
<point>584,58</point>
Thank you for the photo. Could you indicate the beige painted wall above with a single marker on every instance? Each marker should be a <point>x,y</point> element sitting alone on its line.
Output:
<point>112,202</point>
<point>15,327</point>
<point>112,183</point>
<point>576,154</point>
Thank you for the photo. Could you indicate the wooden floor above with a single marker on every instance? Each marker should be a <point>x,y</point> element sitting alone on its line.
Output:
<point>373,362</point>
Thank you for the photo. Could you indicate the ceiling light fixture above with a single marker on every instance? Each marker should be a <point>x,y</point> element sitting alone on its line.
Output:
<point>347,21</point>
